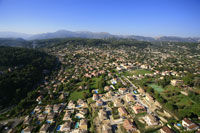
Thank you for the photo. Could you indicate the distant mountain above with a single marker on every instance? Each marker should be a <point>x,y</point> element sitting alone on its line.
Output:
<point>70,34</point>
<point>177,39</point>
<point>103,35</point>
<point>94,35</point>
<point>7,34</point>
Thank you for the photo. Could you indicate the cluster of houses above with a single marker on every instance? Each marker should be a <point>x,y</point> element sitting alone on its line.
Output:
<point>88,62</point>
<point>50,114</point>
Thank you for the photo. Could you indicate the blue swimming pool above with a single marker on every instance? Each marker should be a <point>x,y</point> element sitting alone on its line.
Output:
<point>178,124</point>
<point>58,128</point>
<point>78,106</point>
<point>49,122</point>
<point>135,92</point>
<point>96,91</point>
<point>32,112</point>
<point>78,117</point>
<point>77,125</point>
<point>38,122</point>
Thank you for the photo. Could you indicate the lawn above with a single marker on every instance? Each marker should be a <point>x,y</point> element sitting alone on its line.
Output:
<point>75,95</point>
<point>156,87</point>
<point>137,72</point>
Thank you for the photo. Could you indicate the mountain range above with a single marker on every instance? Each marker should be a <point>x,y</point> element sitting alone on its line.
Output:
<point>93,35</point>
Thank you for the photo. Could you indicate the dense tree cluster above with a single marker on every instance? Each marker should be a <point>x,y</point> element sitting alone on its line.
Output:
<point>21,70</point>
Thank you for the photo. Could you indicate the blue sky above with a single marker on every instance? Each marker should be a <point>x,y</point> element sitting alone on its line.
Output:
<point>136,17</point>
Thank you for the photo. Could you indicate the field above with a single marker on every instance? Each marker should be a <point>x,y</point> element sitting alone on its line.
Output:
<point>156,87</point>
<point>77,95</point>
<point>136,72</point>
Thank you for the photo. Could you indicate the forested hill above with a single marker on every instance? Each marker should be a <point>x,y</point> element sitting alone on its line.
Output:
<point>20,70</point>
<point>15,42</point>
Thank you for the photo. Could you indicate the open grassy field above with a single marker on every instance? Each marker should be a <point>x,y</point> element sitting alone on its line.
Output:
<point>77,95</point>
<point>136,72</point>
<point>156,87</point>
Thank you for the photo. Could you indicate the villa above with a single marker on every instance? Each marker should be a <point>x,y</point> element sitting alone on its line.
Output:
<point>129,98</point>
<point>122,90</point>
<point>83,124</point>
<point>189,125</point>
<point>66,126</point>
<point>150,120</point>
<point>44,128</point>
<point>128,125</point>
<point>67,115</point>
<point>166,129</point>
<point>138,109</point>
<point>122,111</point>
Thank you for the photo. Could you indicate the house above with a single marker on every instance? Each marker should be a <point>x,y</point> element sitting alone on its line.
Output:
<point>27,120</point>
<point>189,125</point>
<point>166,129</point>
<point>128,125</point>
<point>102,115</point>
<point>81,103</point>
<point>27,130</point>
<point>48,108</point>
<point>106,127</point>
<point>114,81</point>
<point>39,99</point>
<point>37,109</point>
<point>138,109</point>
<point>67,115</point>
<point>83,111</point>
<point>66,126</point>
<point>56,108</point>
<point>122,111</point>
<point>176,82</point>
<point>186,122</point>
<point>149,98</point>
<point>44,128</point>
<point>150,120</point>
<point>141,91</point>
<point>109,94</point>
<point>95,97</point>
<point>117,102</point>
<point>41,117</point>
<point>83,124</point>
<point>129,98</point>
<point>71,105</point>
<point>99,103</point>
<point>106,88</point>
<point>122,90</point>
<point>50,117</point>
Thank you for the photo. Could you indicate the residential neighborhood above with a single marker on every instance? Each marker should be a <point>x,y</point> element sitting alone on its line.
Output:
<point>106,91</point>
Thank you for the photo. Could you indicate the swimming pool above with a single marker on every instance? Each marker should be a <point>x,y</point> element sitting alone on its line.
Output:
<point>77,125</point>
<point>178,124</point>
<point>49,122</point>
<point>96,91</point>
<point>58,128</point>
<point>78,117</point>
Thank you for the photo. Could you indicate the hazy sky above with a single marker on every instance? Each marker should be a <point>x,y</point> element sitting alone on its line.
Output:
<point>137,17</point>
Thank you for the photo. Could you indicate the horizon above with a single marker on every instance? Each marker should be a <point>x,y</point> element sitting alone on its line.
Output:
<point>102,32</point>
<point>177,18</point>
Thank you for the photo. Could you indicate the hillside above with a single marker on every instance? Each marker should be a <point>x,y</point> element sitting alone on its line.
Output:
<point>20,70</point>
<point>15,42</point>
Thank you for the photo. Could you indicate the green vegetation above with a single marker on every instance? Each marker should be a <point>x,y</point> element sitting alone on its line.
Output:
<point>137,72</point>
<point>75,95</point>
<point>115,113</point>
<point>21,70</point>
<point>156,87</point>
<point>15,42</point>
